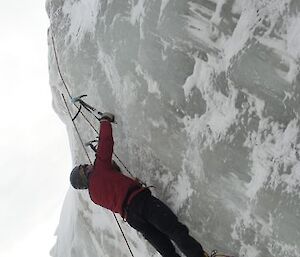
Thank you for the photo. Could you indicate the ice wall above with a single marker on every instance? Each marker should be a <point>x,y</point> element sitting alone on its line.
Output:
<point>206,95</point>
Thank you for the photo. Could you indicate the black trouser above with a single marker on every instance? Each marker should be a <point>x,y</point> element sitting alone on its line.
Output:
<point>159,225</point>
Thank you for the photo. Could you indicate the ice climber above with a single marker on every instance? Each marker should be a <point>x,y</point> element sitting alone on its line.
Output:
<point>113,190</point>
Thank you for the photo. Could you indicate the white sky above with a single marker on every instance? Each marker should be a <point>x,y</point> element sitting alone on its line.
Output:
<point>35,157</point>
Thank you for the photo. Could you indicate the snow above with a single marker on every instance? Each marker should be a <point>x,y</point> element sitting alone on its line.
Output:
<point>137,16</point>
<point>82,17</point>
<point>163,6</point>
<point>137,12</point>
<point>218,137</point>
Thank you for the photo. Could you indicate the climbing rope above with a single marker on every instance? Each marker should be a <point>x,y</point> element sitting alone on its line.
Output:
<point>80,138</point>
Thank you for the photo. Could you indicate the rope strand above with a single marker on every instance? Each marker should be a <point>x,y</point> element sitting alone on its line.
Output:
<point>128,246</point>
<point>65,85</point>
<point>59,71</point>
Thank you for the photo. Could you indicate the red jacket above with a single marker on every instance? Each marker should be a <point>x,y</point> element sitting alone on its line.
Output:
<point>108,187</point>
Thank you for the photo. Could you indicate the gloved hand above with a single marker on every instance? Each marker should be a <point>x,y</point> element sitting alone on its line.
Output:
<point>108,116</point>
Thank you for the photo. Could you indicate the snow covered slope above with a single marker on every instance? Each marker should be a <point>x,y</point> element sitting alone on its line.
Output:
<point>207,98</point>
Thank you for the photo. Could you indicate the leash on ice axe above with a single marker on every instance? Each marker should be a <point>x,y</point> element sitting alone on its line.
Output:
<point>97,114</point>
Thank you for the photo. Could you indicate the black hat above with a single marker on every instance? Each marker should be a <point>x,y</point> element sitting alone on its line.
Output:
<point>78,177</point>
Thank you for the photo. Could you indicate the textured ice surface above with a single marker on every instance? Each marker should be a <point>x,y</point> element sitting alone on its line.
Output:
<point>207,98</point>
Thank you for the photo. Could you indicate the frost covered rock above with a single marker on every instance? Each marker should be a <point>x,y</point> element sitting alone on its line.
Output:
<point>207,99</point>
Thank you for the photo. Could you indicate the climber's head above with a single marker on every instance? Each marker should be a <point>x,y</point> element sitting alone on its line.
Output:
<point>79,176</point>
